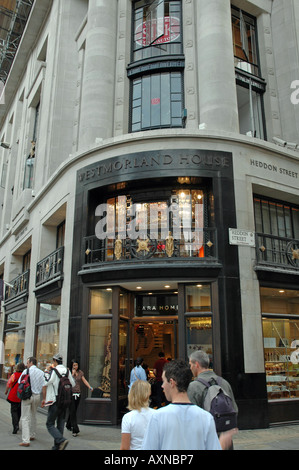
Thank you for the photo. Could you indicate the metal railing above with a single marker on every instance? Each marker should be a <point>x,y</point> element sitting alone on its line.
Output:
<point>277,251</point>
<point>50,268</point>
<point>96,251</point>
<point>18,287</point>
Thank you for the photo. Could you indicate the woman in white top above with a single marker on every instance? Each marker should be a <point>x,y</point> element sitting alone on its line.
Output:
<point>135,422</point>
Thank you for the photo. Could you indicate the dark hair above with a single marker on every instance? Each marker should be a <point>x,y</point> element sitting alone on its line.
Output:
<point>161,354</point>
<point>20,367</point>
<point>75,361</point>
<point>32,360</point>
<point>138,361</point>
<point>180,372</point>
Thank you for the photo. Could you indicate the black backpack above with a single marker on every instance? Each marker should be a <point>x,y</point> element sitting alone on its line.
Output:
<point>219,404</point>
<point>64,397</point>
<point>24,391</point>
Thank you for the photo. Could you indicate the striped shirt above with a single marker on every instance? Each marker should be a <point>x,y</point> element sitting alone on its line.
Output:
<point>37,379</point>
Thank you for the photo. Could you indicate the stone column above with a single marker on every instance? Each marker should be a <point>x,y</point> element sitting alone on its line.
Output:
<point>96,119</point>
<point>217,89</point>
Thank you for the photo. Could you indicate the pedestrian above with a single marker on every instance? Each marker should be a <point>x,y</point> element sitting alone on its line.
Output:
<point>56,416</point>
<point>158,395</point>
<point>199,362</point>
<point>78,376</point>
<point>29,407</point>
<point>134,423</point>
<point>12,397</point>
<point>181,425</point>
<point>138,372</point>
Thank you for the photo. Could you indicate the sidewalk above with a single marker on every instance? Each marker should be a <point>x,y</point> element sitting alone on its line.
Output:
<point>108,438</point>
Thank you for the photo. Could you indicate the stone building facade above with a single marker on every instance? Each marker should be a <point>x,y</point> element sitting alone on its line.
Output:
<point>149,195</point>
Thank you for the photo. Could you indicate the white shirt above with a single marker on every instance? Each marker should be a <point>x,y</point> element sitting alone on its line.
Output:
<point>37,379</point>
<point>181,426</point>
<point>135,423</point>
<point>52,382</point>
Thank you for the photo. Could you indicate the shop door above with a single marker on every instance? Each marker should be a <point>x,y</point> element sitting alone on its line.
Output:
<point>151,336</point>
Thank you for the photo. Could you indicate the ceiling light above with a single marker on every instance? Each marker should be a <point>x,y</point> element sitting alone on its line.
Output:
<point>166,287</point>
<point>138,287</point>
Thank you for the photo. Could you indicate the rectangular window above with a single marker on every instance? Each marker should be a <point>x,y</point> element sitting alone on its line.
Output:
<point>14,351</point>
<point>101,302</point>
<point>250,110</point>
<point>99,372</point>
<point>280,311</point>
<point>47,331</point>
<point>198,317</point>
<point>157,29</point>
<point>198,298</point>
<point>199,335</point>
<point>47,343</point>
<point>276,218</point>
<point>157,101</point>
<point>244,41</point>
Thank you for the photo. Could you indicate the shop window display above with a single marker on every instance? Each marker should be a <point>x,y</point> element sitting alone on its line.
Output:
<point>100,344</point>
<point>281,342</point>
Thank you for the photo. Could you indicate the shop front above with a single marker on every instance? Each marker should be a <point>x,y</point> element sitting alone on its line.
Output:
<point>153,271</point>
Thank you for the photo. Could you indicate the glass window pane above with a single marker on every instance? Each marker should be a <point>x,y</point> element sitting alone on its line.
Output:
<point>281,350</point>
<point>16,319</point>
<point>47,344</point>
<point>146,102</point>
<point>283,301</point>
<point>199,336</point>
<point>99,371</point>
<point>258,216</point>
<point>49,312</point>
<point>295,215</point>
<point>198,298</point>
<point>165,99</point>
<point>101,301</point>
<point>155,100</point>
<point>13,351</point>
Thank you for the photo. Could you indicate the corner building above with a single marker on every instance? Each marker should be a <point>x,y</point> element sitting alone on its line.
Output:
<point>114,113</point>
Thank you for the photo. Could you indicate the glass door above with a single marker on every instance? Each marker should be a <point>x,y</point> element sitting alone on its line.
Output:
<point>151,336</point>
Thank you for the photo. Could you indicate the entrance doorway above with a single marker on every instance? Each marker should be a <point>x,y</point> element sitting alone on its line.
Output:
<point>150,336</point>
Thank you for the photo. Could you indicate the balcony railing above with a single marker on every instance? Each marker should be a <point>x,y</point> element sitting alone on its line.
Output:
<point>50,268</point>
<point>277,251</point>
<point>96,251</point>
<point>17,288</point>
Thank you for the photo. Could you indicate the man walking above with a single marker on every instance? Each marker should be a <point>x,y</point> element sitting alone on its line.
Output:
<point>199,363</point>
<point>181,425</point>
<point>56,416</point>
<point>29,406</point>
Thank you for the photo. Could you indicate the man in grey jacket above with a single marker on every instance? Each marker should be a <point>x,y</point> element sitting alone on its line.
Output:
<point>50,392</point>
<point>199,364</point>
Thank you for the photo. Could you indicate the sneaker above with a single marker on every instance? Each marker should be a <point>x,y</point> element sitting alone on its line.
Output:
<point>63,445</point>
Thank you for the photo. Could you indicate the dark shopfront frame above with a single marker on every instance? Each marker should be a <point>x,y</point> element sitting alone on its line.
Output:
<point>218,168</point>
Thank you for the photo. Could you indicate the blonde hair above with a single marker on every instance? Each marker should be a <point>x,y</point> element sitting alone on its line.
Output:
<point>139,395</point>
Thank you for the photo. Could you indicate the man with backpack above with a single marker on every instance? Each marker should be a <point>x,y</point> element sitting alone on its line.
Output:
<point>212,393</point>
<point>30,401</point>
<point>57,393</point>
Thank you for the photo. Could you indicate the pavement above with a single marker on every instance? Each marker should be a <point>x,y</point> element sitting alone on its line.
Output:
<point>107,438</point>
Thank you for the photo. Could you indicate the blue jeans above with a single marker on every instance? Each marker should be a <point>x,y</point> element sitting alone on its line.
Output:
<point>58,417</point>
